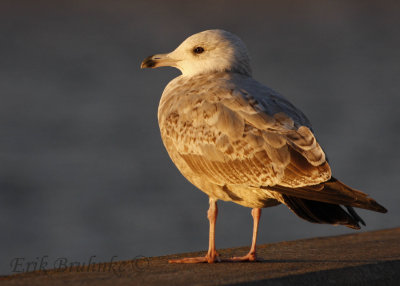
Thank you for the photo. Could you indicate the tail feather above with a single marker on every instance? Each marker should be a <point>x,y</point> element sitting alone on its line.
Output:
<point>355,215</point>
<point>332,192</point>
<point>320,212</point>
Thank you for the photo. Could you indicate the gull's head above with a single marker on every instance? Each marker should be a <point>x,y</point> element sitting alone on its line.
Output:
<point>205,52</point>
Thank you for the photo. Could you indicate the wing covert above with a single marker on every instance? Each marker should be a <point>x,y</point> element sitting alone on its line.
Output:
<point>250,136</point>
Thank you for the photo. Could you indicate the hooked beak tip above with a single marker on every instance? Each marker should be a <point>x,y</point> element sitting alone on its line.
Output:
<point>148,62</point>
<point>158,60</point>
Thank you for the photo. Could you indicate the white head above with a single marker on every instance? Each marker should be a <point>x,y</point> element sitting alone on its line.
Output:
<point>206,52</point>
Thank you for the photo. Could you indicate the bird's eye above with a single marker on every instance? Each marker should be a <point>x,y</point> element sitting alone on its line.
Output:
<point>198,50</point>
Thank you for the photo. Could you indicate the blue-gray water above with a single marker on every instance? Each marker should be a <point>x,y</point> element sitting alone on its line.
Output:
<point>82,167</point>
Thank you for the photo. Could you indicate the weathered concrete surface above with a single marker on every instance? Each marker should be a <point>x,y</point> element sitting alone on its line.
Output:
<point>371,258</point>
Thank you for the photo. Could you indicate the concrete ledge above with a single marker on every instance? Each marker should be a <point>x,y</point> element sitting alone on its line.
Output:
<point>370,258</point>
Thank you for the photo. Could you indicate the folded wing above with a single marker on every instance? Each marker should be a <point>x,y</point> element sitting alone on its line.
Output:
<point>251,136</point>
<point>234,137</point>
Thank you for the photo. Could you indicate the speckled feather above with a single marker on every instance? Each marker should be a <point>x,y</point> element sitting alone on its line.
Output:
<point>226,129</point>
<point>238,140</point>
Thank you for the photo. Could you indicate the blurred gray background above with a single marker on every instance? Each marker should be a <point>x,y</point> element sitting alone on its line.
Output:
<point>82,167</point>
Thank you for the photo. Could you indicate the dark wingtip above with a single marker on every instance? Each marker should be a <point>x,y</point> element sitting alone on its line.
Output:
<point>383,210</point>
<point>379,208</point>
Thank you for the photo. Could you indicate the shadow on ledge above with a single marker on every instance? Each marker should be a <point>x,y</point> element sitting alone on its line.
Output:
<point>370,258</point>
<point>381,273</point>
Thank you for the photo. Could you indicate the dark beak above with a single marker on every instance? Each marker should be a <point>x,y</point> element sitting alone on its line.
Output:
<point>148,63</point>
<point>159,60</point>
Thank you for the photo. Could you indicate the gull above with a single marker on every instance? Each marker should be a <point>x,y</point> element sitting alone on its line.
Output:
<point>237,140</point>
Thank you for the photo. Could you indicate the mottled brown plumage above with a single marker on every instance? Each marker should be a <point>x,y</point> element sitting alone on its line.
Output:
<point>238,140</point>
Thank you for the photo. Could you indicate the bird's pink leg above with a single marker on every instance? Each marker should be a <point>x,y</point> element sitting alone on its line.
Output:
<point>251,256</point>
<point>212,255</point>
